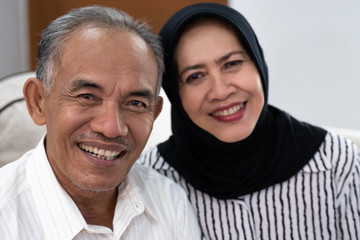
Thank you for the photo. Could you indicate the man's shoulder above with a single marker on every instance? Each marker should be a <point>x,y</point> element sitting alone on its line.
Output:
<point>148,174</point>
<point>159,193</point>
<point>153,182</point>
<point>152,158</point>
<point>13,180</point>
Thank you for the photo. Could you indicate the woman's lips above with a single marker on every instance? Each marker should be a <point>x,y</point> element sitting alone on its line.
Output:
<point>230,113</point>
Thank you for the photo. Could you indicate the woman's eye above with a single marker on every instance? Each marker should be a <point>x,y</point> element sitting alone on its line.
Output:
<point>193,77</point>
<point>232,64</point>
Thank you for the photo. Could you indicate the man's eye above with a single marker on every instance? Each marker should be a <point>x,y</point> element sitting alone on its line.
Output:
<point>86,96</point>
<point>138,103</point>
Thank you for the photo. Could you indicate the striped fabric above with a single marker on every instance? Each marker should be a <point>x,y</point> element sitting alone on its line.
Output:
<point>34,206</point>
<point>322,201</point>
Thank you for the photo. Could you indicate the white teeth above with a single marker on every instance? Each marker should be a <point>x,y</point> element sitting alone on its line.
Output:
<point>107,153</point>
<point>100,153</point>
<point>229,111</point>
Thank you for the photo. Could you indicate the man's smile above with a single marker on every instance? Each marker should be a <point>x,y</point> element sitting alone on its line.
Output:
<point>101,153</point>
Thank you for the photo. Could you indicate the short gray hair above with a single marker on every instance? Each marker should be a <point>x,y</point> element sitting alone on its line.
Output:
<point>54,36</point>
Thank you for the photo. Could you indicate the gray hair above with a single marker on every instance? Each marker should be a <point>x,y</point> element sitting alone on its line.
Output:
<point>54,36</point>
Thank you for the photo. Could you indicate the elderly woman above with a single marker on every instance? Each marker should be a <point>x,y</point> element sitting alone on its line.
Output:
<point>251,171</point>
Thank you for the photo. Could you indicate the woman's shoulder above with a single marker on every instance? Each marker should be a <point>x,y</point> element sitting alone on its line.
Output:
<point>339,148</point>
<point>337,153</point>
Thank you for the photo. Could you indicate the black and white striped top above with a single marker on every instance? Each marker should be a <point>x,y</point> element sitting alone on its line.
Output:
<point>322,201</point>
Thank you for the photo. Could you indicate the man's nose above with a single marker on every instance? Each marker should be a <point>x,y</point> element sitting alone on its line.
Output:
<point>109,121</point>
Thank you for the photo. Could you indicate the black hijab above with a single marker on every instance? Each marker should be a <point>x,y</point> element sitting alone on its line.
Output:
<point>278,147</point>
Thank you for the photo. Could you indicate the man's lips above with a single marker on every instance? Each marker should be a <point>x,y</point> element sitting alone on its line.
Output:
<point>102,153</point>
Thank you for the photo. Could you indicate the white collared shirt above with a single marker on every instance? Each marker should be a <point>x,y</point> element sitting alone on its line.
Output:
<point>33,205</point>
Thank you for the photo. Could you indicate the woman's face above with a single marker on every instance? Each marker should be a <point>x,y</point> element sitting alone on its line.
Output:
<point>220,87</point>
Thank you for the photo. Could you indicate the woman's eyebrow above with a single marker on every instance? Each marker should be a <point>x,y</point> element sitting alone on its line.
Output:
<point>228,55</point>
<point>220,60</point>
<point>191,67</point>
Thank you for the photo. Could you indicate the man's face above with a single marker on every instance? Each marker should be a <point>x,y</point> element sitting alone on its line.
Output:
<point>100,112</point>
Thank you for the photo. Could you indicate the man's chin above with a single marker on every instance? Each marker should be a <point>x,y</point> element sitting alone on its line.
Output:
<point>95,188</point>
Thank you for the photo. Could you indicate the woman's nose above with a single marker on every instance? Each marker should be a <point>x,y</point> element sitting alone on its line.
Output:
<point>220,87</point>
<point>110,121</point>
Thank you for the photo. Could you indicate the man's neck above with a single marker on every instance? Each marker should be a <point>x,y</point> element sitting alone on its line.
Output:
<point>97,208</point>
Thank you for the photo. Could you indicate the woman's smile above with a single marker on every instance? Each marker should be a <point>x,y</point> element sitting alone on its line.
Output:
<point>230,113</point>
<point>220,88</point>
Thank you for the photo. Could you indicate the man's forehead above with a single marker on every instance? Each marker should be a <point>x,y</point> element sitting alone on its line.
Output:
<point>94,55</point>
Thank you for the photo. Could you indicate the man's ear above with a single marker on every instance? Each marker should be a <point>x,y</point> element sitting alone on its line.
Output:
<point>159,106</point>
<point>34,93</point>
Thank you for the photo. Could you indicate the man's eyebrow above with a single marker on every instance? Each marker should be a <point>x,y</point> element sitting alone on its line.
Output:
<point>143,93</point>
<point>83,83</point>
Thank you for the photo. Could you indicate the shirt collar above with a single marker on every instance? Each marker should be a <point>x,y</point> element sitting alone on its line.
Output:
<point>59,215</point>
<point>135,189</point>
<point>319,163</point>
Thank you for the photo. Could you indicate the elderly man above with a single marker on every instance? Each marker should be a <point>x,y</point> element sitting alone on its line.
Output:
<point>97,86</point>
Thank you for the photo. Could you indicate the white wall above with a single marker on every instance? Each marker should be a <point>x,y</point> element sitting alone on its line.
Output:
<point>14,49</point>
<point>313,53</point>
<point>312,49</point>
